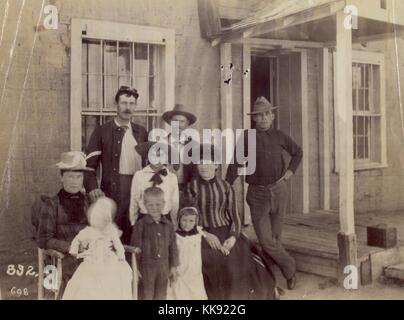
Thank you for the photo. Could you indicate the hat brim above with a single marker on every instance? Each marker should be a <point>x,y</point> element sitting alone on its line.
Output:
<point>262,111</point>
<point>169,114</point>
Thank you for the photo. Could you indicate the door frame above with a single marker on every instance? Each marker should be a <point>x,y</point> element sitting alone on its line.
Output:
<point>247,53</point>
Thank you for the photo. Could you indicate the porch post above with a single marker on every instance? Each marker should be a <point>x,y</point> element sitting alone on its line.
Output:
<point>325,130</point>
<point>226,96</point>
<point>346,237</point>
<point>246,119</point>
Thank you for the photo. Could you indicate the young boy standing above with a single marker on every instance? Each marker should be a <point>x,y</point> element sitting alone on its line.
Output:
<point>155,174</point>
<point>154,239</point>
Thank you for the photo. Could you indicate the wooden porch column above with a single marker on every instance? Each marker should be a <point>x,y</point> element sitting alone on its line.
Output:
<point>325,151</point>
<point>346,237</point>
<point>226,96</point>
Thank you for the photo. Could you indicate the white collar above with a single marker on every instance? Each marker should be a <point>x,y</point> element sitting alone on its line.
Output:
<point>122,125</point>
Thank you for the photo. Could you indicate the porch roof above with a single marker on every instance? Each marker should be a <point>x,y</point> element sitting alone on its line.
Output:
<point>315,21</point>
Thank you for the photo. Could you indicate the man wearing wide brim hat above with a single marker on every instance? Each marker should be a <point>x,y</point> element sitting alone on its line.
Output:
<point>261,105</point>
<point>179,110</point>
<point>180,139</point>
<point>267,194</point>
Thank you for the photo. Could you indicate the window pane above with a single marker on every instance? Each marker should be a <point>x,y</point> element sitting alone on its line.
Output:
<point>141,51</point>
<point>95,92</point>
<point>367,100</point>
<point>91,71</point>
<point>360,130</point>
<point>366,147</point>
<point>356,75</point>
<point>354,100</point>
<point>84,92</point>
<point>363,79</point>
<point>361,99</point>
<point>105,119</point>
<point>124,64</point>
<point>148,122</point>
<point>152,77</point>
<point>360,147</point>
<point>110,73</point>
<point>89,123</point>
<point>141,75</point>
<point>376,89</point>
<point>367,75</point>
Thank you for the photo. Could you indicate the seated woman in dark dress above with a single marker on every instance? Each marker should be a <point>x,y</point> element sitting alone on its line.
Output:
<point>62,216</point>
<point>229,267</point>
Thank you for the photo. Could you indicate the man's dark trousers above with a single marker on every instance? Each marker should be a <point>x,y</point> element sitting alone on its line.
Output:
<point>122,199</point>
<point>268,207</point>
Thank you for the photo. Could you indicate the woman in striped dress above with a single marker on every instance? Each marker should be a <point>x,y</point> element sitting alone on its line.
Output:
<point>225,257</point>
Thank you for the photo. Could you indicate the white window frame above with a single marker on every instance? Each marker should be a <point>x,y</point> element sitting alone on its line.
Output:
<point>374,58</point>
<point>106,30</point>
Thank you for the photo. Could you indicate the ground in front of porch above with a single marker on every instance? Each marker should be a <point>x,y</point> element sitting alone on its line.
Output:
<point>312,240</point>
<point>313,287</point>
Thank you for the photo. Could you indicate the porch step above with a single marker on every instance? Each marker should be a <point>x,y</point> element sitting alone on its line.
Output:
<point>395,271</point>
<point>314,263</point>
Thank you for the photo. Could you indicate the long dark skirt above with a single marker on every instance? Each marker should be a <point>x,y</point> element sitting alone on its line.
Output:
<point>240,275</point>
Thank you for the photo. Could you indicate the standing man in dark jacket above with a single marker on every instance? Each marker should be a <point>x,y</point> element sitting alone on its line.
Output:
<point>178,140</point>
<point>267,192</point>
<point>113,146</point>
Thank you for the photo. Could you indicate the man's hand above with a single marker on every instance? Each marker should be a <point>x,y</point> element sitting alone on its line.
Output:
<point>95,194</point>
<point>174,274</point>
<point>288,174</point>
<point>213,241</point>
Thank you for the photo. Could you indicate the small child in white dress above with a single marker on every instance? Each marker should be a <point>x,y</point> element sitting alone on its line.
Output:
<point>104,274</point>
<point>188,283</point>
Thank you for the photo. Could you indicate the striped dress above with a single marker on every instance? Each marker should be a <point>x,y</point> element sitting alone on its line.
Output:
<point>225,277</point>
<point>217,202</point>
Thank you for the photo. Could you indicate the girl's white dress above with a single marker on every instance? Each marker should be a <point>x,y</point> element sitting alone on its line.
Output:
<point>101,275</point>
<point>189,285</point>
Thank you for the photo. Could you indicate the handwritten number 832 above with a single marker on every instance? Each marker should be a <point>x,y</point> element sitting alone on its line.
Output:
<point>19,270</point>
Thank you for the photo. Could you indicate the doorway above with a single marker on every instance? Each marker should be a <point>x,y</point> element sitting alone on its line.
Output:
<point>278,79</point>
<point>264,80</point>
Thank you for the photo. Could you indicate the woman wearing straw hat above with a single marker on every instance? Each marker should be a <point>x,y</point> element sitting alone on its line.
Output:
<point>61,217</point>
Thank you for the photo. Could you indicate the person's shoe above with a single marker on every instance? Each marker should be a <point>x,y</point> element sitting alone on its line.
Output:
<point>279,292</point>
<point>291,282</point>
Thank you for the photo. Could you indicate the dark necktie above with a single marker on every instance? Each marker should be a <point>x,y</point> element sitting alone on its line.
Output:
<point>156,178</point>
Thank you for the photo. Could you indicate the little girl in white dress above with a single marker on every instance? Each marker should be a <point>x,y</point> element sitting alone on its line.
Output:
<point>188,283</point>
<point>104,274</point>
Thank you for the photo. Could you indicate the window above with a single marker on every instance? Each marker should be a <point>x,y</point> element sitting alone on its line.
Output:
<point>368,104</point>
<point>108,55</point>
